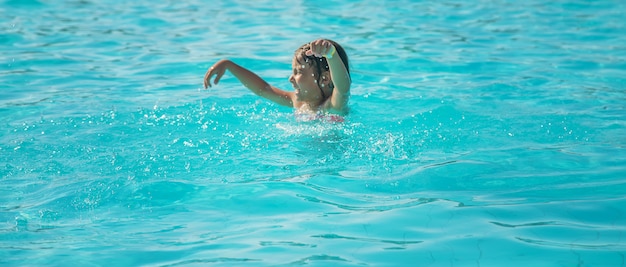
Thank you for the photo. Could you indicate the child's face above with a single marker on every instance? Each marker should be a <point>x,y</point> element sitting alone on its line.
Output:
<point>304,79</point>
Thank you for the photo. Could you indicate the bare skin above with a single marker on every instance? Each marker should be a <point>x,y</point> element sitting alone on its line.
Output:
<point>307,95</point>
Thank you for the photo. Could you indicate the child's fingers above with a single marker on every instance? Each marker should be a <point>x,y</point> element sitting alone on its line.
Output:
<point>316,48</point>
<point>313,53</point>
<point>321,48</point>
<point>217,80</point>
<point>317,51</point>
<point>207,77</point>
<point>218,77</point>
<point>318,42</point>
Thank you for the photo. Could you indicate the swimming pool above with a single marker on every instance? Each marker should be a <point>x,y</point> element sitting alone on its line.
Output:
<point>481,133</point>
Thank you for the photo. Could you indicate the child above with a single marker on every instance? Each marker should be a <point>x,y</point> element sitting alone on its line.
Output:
<point>320,78</point>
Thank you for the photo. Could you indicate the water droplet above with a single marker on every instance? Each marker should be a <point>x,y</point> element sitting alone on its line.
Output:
<point>302,67</point>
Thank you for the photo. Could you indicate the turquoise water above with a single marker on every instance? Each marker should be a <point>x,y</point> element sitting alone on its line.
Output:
<point>481,133</point>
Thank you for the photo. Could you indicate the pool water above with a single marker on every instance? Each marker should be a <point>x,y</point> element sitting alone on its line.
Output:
<point>481,133</point>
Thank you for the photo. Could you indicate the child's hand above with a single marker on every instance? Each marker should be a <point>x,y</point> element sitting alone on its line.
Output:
<point>217,69</point>
<point>321,48</point>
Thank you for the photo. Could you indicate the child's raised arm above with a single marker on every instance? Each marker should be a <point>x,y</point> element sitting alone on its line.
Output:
<point>250,80</point>
<point>338,73</point>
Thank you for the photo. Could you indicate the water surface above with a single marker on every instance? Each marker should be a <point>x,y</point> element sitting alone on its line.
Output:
<point>482,133</point>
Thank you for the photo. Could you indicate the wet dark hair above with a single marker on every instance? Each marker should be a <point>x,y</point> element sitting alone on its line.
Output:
<point>321,63</point>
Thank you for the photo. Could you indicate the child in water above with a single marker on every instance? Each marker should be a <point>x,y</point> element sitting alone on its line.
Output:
<point>320,78</point>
